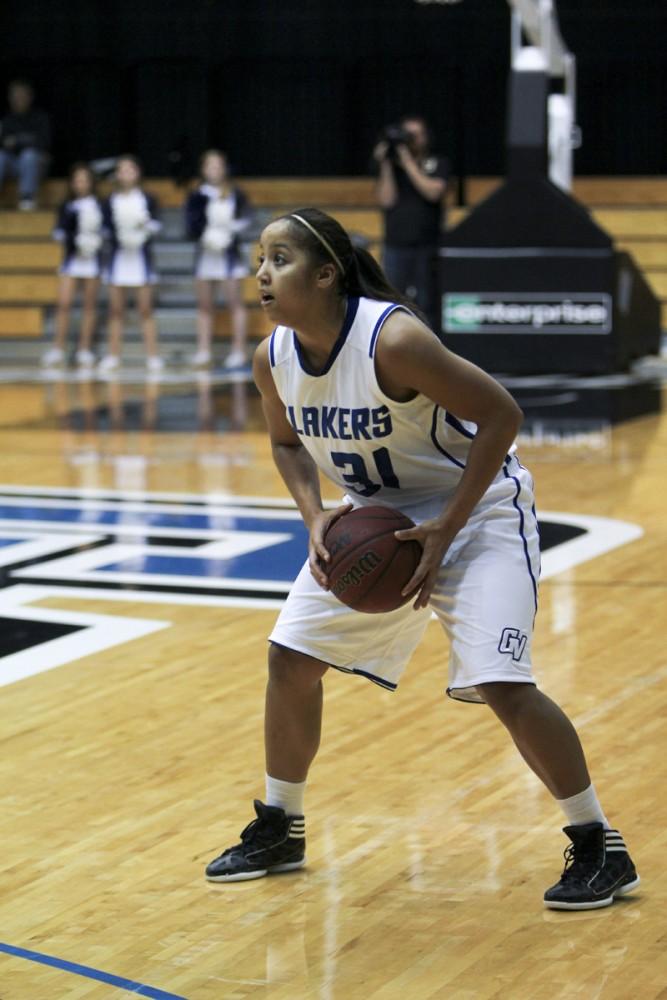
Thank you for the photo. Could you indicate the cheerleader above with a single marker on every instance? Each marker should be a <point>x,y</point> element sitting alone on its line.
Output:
<point>79,229</point>
<point>130,220</point>
<point>216,215</point>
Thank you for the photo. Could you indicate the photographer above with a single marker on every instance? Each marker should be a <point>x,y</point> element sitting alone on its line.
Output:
<point>410,188</point>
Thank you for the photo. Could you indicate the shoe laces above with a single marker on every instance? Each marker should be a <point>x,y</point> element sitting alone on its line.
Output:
<point>579,857</point>
<point>258,833</point>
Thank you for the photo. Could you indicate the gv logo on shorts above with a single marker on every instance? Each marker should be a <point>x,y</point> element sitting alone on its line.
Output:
<point>513,641</point>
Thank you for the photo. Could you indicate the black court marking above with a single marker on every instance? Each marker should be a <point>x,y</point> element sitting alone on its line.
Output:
<point>106,549</point>
<point>7,570</point>
<point>17,634</point>
<point>154,588</point>
<point>552,534</point>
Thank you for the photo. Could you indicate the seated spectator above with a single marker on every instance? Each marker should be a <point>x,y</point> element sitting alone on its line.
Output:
<point>25,140</point>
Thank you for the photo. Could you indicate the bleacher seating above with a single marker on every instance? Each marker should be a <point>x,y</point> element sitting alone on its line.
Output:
<point>632,209</point>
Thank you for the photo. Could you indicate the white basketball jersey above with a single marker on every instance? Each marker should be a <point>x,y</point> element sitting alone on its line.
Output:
<point>374,448</point>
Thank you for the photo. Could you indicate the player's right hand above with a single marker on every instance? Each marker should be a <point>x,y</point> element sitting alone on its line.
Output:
<point>318,557</point>
<point>380,151</point>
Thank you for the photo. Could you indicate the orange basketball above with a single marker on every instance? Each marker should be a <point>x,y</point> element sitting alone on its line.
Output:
<point>369,566</point>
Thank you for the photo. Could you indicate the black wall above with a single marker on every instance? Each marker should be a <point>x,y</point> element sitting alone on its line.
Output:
<point>301,86</point>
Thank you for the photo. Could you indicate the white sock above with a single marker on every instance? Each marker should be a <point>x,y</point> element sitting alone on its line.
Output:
<point>584,808</point>
<point>286,794</point>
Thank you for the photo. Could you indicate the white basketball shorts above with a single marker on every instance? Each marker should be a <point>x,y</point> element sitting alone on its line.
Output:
<point>485,599</point>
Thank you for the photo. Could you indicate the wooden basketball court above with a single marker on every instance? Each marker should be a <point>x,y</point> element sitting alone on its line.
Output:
<point>126,769</point>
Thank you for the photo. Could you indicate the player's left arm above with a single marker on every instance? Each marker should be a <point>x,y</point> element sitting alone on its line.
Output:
<point>410,359</point>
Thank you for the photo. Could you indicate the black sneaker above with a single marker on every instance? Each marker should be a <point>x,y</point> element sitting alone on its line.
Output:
<point>274,842</point>
<point>597,868</point>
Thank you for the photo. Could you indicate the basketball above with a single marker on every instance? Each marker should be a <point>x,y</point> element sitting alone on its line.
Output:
<point>369,567</point>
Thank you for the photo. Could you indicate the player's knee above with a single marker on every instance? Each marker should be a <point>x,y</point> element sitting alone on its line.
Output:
<point>507,700</point>
<point>290,668</point>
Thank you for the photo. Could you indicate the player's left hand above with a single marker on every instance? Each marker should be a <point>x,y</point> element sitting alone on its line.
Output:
<point>435,537</point>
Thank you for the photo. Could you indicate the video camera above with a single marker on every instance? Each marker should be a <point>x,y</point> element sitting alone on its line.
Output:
<point>395,135</point>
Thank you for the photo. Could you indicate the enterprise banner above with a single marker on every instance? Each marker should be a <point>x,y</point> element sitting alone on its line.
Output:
<point>526,312</point>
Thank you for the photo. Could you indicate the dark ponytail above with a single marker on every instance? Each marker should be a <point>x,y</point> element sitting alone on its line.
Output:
<point>365,277</point>
<point>360,274</point>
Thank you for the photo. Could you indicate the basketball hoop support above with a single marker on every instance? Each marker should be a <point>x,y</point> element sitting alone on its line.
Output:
<point>536,22</point>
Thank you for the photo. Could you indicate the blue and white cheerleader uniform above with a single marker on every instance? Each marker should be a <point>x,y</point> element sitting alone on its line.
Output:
<point>79,229</point>
<point>216,222</point>
<point>131,221</point>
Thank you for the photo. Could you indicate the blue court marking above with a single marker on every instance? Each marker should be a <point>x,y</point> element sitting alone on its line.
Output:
<point>140,989</point>
<point>279,562</point>
<point>212,521</point>
<point>4,542</point>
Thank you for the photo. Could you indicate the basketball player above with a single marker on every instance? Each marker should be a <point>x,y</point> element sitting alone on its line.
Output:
<point>354,384</point>
<point>216,214</point>
<point>130,219</point>
<point>79,229</point>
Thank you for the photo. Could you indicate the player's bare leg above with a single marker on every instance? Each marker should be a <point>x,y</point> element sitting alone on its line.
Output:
<point>205,311</point>
<point>598,867</point>
<point>544,735</point>
<point>66,289</point>
<point>147,320</point>
<point>117,300</point>
<point>293,717</point>
<point>55,355</point>
<point>89,313</point>
<point>276,840</point>
<point>233,292</point>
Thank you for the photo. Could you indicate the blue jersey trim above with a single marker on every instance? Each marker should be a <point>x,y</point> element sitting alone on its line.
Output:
<point>458,426</point>
<point>378,326</point>
<point>522,533</point>
<point>537,529</point>
<point>380,681</point>
<point>376,680</point>
<point>272,351</point>
<point>352,307</point>
<point>435,441</point>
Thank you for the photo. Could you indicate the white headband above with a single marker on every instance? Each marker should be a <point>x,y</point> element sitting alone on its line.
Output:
<point>325,243</point>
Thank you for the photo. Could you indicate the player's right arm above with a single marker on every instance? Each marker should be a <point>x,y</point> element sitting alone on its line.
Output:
<point>295,465</point>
